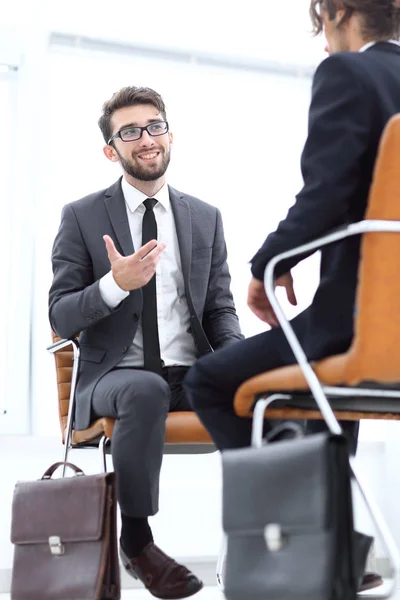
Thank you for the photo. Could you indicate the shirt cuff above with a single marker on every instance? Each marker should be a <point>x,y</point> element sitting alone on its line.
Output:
<point>110,291</point>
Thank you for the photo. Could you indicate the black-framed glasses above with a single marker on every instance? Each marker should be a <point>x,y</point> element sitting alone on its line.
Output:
<point>133,133</point>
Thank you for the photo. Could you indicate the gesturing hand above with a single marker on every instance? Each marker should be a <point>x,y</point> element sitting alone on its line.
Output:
<point>260,305</point>
<point>134,271</point>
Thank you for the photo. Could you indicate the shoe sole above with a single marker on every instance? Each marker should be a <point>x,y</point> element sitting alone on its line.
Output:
<point>175,597</point>
<point>129,570</point>
<point>370,586</point>
<point>126,564</point>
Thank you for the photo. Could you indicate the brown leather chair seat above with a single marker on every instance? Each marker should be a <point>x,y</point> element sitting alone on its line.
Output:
<point>182,428</point>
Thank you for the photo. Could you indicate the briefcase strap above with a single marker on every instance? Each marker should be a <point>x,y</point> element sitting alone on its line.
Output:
<point>51,470</point>
<point>111,592</point>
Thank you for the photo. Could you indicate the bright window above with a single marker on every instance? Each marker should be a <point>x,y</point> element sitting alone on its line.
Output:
<point>7,126</point>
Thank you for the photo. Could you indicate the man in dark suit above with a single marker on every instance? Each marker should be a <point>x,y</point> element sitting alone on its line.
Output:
<point>355,92</point>
<point>165,301</point>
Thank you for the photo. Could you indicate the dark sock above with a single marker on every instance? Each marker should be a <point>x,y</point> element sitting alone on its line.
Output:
<point>135,535</point>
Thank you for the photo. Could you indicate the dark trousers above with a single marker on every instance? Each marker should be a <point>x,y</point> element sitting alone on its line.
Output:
<point>140,402</point>
<point>211,384</point>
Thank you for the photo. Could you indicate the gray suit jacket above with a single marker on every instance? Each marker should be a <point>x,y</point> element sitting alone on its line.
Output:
<point>80,259</point>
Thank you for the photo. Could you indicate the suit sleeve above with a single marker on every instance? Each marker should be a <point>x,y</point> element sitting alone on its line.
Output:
<point>338,135</point>
<point>75,301</point>
<point>220,321</point>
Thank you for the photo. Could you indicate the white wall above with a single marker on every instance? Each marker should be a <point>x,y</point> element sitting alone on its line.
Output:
<point>258,29</point>
<point>65,89</point>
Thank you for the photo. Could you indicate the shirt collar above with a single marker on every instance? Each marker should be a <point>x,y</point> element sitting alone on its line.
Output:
<point>134,197</point>
<point>370,44</point>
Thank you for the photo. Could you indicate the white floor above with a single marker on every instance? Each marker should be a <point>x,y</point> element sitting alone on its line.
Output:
<point>209,593</point>
<point>212,593</point>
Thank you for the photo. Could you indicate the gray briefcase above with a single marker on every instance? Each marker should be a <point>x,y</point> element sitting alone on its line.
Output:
<point>287,514</point>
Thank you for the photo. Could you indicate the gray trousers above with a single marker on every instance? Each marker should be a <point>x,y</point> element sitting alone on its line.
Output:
<point>139,401</point>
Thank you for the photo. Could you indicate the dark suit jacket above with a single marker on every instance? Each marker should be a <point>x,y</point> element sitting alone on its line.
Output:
<point>353,97</point>
<point>80,259</point>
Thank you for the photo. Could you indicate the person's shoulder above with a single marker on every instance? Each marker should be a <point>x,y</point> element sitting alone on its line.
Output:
<point>345,73</point>
<point>90,200</point>
<point>87,200</point>
<point>194,202</point>
<point>344,64</point>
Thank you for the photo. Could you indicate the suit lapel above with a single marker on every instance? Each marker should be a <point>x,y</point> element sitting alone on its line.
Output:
<point>183,224</point>
<point>116,208</point>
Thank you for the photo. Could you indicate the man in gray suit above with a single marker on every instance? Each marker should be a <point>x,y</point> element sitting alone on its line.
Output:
<point>140,273</point>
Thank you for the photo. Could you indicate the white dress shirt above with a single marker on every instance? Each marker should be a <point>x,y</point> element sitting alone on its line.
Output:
<point>370,44</point>
<point>177,345</point>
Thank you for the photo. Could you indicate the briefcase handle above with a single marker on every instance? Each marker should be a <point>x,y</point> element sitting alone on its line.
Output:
<point>50,471</point>
<point>285,431</point>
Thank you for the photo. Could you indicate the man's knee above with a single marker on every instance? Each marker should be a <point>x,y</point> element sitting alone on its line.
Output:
<point>148,393</point>
<point>194,380</point>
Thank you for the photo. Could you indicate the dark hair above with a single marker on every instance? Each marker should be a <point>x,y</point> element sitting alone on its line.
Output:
<point>380,18</point>
<point>128,96</point>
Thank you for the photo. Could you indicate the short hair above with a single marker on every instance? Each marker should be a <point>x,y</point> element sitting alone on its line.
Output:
<point>128,96</point>
<point>380,18</point>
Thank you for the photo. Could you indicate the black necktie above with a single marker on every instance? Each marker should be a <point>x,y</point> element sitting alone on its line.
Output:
<point>151,342</point>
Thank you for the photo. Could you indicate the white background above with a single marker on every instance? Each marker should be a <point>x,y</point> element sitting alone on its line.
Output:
<point>238,138</point>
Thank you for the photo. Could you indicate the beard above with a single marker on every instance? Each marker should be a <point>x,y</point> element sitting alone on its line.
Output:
<point>146,172</point>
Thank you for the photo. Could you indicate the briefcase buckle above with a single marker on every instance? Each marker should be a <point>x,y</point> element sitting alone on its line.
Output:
<point>56,547</point>
<point>273,537</point>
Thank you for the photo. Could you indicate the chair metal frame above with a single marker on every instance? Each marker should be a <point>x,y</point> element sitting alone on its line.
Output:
<point>169,448</point>
<point>71,406</point>
<point>320,391</point>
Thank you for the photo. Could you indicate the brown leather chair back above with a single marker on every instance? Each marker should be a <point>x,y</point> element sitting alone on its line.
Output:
<point>63,360</point>
<point>375,352</point>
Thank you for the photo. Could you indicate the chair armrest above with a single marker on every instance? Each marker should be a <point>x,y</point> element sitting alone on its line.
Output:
<point>366,226</point>
<point>63,344</point>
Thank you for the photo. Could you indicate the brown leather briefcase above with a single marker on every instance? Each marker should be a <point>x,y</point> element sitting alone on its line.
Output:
<point>64,536</point>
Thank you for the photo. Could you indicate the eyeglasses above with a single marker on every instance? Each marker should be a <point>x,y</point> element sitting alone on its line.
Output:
<point>130,134</point>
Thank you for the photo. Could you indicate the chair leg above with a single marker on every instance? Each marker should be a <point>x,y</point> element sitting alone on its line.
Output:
<point>385,536</point>
<point>67,448</point>
<point>102,449</point>
<point>221,563</point>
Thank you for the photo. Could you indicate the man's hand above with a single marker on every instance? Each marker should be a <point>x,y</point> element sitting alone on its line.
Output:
<point>286,281</point>
<point>134,271</point>
<point>260,305</point>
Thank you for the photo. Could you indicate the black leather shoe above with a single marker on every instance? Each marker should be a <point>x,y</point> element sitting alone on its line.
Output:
<point>370,581</point>
<point>160,574</point>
